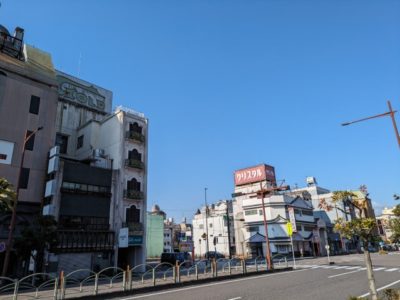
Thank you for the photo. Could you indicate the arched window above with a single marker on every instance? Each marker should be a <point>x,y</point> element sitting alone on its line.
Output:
<point>134,127</point>
<point>132,215</point>
<point>135,155</point>
<point>133,185</point>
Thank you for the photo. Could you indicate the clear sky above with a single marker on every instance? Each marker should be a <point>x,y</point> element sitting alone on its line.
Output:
<point>230,84</point>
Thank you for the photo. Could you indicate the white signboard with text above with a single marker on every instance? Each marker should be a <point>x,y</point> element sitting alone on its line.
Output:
<point>123,237</point>
<point>292,219</point>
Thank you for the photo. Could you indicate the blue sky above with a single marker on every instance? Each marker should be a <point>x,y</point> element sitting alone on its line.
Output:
<point>231,84</point>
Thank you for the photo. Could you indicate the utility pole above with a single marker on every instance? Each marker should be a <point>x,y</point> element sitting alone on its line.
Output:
<point>10,243</point>
<point>229,228</point>
<point>390,113</point>
<point>263,192</point>
<point>205,203</point>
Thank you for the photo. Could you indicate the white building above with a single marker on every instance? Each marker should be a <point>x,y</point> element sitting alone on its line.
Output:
<point>217,223</point>
<point>383,223</point>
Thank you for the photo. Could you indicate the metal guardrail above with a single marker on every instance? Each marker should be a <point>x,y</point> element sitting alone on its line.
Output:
<point>85,282</point>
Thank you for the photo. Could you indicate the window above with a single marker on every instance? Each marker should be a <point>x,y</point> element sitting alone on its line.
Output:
<point>29,143</point>
<point>132,215</point>
<point>260,212</point>
<point>34,106</point>
<point>250,212</point>
<point>135,128</point>
<point>253,229</point>
<point>133,185</point>
<point>24,179</point>
<point>210,225</point>
<point>308,228</point>
<point>297,212</point>
<point>307,213</point>
<point>201,226</point>
<point>135,155</point>
<point>62,141</point>
<point>79,144</point>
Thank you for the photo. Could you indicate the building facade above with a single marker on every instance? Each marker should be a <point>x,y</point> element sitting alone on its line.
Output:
<point>221,234</point>
<point>28,102</point>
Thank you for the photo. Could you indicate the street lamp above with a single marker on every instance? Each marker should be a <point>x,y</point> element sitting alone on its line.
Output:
<point>390,113</point>
<point>14,210</point>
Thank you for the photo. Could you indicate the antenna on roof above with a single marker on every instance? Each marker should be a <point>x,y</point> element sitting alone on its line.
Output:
<point>79,64</point>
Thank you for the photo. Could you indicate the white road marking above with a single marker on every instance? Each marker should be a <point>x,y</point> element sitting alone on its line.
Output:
<point>237,298</point>
<point>378,269</point>
<point>212,284</point>
<point>391,270</point>
<point>381,288</point>
<point>341,274</point>
<point>352,268</point>
<point>342,267</point>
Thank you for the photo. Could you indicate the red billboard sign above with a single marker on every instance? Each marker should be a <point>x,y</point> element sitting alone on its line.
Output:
<point>255,174</point>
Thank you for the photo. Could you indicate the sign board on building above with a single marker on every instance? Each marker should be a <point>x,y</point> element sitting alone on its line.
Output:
<point>123,237</point>
<point>289,228</point>
<point>83,93</point>
<point>255,174</point>
<point>186,246</point>
<point>292,219</point>
<point>135,240</point>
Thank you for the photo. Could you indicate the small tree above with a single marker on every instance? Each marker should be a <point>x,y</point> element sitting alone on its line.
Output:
<point>363,227</point>
<point>7,196</point>
<point>36,238</point>
<point>394,225</point>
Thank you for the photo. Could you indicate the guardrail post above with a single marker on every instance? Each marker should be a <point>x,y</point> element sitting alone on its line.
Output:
<point>178,272</point>
<point>197,271</point>
<point>124,281</point>
<point>216,267</point>
<point>96,283</point>
<point>174,271</point>
<point>154,277</point>
<point>62,285</point>
<point>287,264</point>
<point>55,288</point>
<point>16,287</point>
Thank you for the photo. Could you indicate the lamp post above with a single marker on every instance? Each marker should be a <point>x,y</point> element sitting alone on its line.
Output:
<point>205,203</point>
<point>390,113</point>
<point>14,210</point>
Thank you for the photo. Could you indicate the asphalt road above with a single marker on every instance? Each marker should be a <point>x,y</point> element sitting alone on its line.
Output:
<point>313,279</point>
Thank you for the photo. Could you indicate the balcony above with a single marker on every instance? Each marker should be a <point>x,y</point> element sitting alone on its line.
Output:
<point>77,240</point>
<point>136,136</point>
<point>134,163</point>
<point>135,228</point>
<point>135,195</point>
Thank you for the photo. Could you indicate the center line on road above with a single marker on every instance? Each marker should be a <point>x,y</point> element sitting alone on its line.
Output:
<point>381,288</point>
<point>391,270</point>
<point>337,275</point>
<point>237,298</point>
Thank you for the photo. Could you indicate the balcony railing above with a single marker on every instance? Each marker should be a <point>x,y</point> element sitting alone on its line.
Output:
<point>134,163</point>
<point>135,228</point>
<point>131,194</point>
<point>76,240</point>
<point>137,136</point>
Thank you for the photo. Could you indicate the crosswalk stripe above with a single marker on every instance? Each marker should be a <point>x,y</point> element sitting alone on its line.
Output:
<point>391,270</point>
<point>379,269</point>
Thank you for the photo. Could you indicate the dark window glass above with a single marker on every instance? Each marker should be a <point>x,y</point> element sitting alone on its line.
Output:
<point>135,155</point>
<point>133,185</point>
<point>62,141</point>
<point>35,103</point>
<point>135,127</point>
<point>31,142</point>
<point>79,144</point>
<point>133,215</point>
<point>24,179</point>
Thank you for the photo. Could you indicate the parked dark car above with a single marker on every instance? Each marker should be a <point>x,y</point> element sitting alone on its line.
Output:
<point>213,254</point>
<point>172,257</point>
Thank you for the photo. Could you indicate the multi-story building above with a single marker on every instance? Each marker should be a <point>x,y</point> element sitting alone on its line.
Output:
<point>248,214</point>
<point>169,235</point>
<point>215,219</point>
<point>383,223</point>
<point>100,161</point>
<point>28,102</point>
<point>155,232</point>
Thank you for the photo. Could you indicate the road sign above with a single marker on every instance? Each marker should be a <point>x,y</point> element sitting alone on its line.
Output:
<point>289,228</point>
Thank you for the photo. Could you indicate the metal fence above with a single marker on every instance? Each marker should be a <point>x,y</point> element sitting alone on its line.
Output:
<point>85,282</point>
